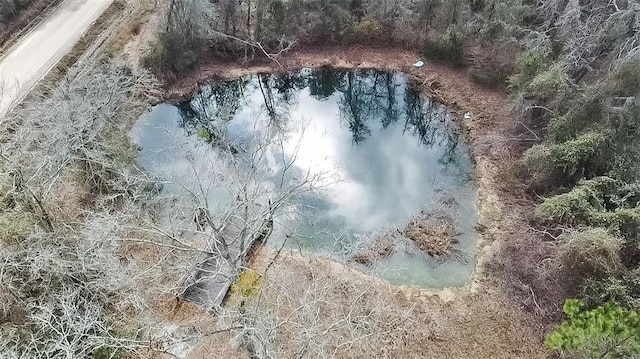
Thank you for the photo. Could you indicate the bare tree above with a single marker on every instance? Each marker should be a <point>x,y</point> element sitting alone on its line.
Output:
<point>64,287</point>
<point>193,26</point>
<point>223,204</point>
<point>59,292</point>
<point>78,125</point>
<point>306,307</point>
<point>591,31</point>
<point>10,9</point>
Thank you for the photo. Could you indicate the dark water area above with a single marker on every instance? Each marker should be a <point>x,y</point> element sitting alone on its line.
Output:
<point>383,153</point>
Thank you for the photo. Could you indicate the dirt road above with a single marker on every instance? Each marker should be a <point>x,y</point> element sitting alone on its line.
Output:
<point>41,48</point>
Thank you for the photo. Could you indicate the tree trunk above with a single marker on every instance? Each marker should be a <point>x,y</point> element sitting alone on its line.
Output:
<point>260,4</point>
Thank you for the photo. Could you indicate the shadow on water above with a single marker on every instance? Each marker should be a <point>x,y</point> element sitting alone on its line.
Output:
<point>391,153</point>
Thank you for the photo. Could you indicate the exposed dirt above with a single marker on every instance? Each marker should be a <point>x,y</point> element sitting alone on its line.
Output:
<point>438,79</point>
<point>478,320</point>
<point>141,31</point>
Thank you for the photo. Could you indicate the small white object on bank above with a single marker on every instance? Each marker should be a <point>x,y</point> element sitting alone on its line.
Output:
<point>468,115</point>
<point>419,64</point>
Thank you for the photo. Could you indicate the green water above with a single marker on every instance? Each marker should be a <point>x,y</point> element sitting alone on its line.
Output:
<point>385,153</point>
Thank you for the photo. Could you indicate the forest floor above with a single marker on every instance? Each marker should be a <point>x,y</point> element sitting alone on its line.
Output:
<point>478,320</point>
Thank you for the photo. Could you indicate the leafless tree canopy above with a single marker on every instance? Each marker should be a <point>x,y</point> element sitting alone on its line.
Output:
<point>309,311</point>
<point>64,287</point>
<point>592,32</point>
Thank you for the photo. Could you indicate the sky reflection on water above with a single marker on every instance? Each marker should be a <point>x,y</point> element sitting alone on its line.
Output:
<point>384,152</point>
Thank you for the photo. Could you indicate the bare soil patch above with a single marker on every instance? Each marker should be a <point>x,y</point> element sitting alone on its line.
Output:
<point>136,37</point>
<point>451,86</point>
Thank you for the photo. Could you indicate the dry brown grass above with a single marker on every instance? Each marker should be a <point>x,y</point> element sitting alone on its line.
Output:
<point>382,248</point>
<point>133,27</point>
<point>149,16</point>
<point>183,319</point>
<point>453,323</point>
<point>129,30</point>
<point>432,235</point>
<point>73,197</point>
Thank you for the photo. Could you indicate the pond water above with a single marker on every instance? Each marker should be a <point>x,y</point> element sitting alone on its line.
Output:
<point>380,154</point>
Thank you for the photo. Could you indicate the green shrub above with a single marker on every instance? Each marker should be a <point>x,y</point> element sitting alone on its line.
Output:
<point>562,128</point>
<point>580,204</point>
<point>590,252</point>
<point>575,110</point>
<point>549,84</point>
<point>581,155</point>
<point>586,124</point>
<point>537,173</point>
<point>622,221</point>
<point>623,289</point>
<point>608,331</point>
<point>565,127</point>
<point>584,156</point>
<point>528,65</point>
<point>585,109</point>
<point>574,207</point>
<point>601,201</point>
<point>449,47</point>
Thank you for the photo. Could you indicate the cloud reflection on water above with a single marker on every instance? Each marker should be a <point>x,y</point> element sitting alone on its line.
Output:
<point>385,152</point>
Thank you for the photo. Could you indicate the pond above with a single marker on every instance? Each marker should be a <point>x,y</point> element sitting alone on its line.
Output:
<point>379,153</point>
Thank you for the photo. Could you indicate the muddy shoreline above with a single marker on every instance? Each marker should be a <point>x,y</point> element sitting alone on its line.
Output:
<point>430,77</point>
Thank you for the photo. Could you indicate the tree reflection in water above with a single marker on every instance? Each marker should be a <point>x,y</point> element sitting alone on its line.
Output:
<point>365,97</point>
